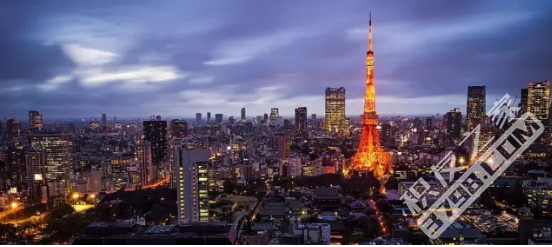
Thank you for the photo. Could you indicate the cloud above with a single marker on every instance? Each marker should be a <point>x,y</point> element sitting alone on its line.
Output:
<point>220,57</point>
<point>98,68</point>
<point>241,51</point>
<point>129,75</point>
<point>408,36</point>
<point>202,80</point>
<point>56,82</point>
<point>84,56</point>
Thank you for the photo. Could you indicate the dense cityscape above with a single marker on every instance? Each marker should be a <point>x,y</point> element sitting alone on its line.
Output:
<point>299,177</point>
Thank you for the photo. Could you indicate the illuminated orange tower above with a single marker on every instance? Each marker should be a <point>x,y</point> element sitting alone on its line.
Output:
<point>370,156</point>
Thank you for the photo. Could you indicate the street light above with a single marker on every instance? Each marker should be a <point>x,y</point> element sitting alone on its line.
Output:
<point>14,206</point>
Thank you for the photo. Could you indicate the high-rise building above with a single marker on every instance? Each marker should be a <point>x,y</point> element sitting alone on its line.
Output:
<point>475,113</point>
<point>93,181</point>
<point>37,172</point>
<point>179,128</point>
<point>208,117</point>
<point>155,132</point>
<point>429,123</point>
<point>198,118</point>
<point>370,156</point>
<point>190,171</point>
<point>385,133</point>
<point>145,162</point>
<point>283,145</point>
<point>453,121</point>
<point>300,118</point>
<point>104,120</point>
<point>335,110</point>
<point>13,127</point>
<point>313,116</point>
<point>265,118</point>
<point>287,124</point>
<point>218,118</point>
<point>35,120</point>
<point>538,100</point>
<point>243,118</point>
<point>523,101</point>
<point>295,167</point>
<point>274,114</point>
<point>1,129</point>
<point>15,161</point>
<point>58,148</point>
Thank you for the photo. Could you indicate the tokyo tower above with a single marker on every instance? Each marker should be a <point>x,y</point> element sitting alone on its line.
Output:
<point>370,156</point>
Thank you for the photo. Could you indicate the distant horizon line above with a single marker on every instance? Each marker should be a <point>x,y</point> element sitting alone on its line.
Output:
<point>213,117</point>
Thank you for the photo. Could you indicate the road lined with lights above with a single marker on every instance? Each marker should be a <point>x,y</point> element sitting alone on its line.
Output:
<point>152,185</point>
<point>379,216</point>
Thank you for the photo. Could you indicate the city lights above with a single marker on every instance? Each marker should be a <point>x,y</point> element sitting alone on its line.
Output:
<point>103,140</point>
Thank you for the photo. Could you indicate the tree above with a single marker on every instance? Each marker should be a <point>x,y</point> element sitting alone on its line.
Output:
<point>157,214</point>
<point>515,195</point>
<point>62,230</point>
<point>229,187</point>
<point>61,210</point>
<point>7,233</point>
<point>392,184</point>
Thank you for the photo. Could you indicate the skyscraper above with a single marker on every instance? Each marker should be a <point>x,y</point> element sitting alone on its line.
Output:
<point>58,148</point>
<point>538,103</point>
<point>335,110</point>
<point>523,101</point>
<point>453,122</point>
<point>370,156</point>
<point>104,120</point>
<point>243,118</point>
<point>15,161</point>
<point>144,158</point>
<point>179,128</point>
<point>287,124</point>
<point>35,120</point>
<point>313,116</point>
<point>37,173</point>
<point>386,133</point>
<point>283,145</point>
<point>538,100</point>
<point>218,118</point>
<point>274,114</point>
<point>155,132</point>
<point>190,171</point>
<point>300,118</point>
<point>208,117</point>
<point>198,118</point>
<point>265,118</point>
<point>13,127</point>
<point>475,112</point>
<point>429,123</point>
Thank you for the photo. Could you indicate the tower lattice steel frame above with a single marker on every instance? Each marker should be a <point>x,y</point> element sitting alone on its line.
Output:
<point>370,156</point>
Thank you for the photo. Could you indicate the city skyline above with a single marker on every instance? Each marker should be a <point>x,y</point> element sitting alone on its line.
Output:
<point>112,138</point>
<point>83,59</point>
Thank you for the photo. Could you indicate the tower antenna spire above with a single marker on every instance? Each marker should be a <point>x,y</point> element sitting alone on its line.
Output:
<point>370,32</point>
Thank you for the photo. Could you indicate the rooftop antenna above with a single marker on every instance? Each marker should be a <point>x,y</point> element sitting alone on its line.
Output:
<point>370,32</point>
